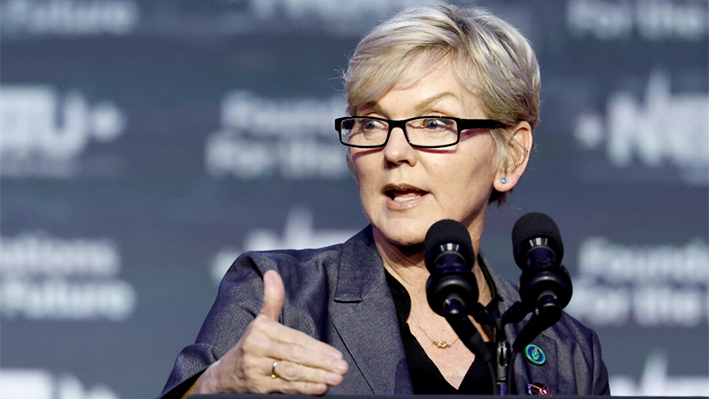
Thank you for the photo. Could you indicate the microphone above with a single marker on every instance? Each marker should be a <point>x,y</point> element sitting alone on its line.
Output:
<point>536,242</point>
<point>450,259</point>
<point>452,290</point>
<point>545,285</point>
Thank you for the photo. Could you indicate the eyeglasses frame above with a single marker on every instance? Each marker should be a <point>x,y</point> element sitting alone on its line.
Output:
<point>461,124</point>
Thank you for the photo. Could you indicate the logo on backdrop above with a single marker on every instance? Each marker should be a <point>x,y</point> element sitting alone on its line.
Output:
<point>69,17</point>
<point>41,384</point>
<point>44,134</point>
<point>665,129</point>
<point>651,20</point>
<point>123,17</point>
<point>651,286</point>
<point>48,278</point>
<point>298,232</point>
<point>656,381</point>
<point>290,138</point>
<point>336,16</point>
<point>372,10</point>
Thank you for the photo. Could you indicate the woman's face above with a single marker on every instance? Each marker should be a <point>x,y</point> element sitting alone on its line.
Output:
<point>405,190</point>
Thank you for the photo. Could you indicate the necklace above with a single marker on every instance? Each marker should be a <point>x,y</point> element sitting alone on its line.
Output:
<point>438,344</point>
<point>442,344</point>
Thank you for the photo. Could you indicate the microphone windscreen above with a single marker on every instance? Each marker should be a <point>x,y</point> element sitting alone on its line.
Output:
<point>448,231</point>
<point>535,225</point>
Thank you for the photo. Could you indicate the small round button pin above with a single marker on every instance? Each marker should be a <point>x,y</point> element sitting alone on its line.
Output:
<point>535,354</point>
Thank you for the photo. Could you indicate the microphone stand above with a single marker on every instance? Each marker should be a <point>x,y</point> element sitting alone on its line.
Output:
<point>503,361</point>
<point>545,289</point>
<point>499,355</point>
<point>457,317</point>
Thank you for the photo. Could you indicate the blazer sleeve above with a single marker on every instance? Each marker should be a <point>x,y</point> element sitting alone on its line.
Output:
<point>600,373</point>
<point>238,302</point>
<point>579,350</point>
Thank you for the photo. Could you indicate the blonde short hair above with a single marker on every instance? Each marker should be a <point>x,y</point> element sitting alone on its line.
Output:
<point>490,58</point>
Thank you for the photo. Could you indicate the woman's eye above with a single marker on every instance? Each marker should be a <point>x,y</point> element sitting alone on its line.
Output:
<point>437,123</point>
<point>371,125</point>
<point>432,123</point>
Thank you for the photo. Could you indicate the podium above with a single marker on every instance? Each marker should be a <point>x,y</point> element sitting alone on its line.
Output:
<point>282,396</point>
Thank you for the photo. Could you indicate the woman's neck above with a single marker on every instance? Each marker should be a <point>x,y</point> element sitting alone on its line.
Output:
<point>406,263</point>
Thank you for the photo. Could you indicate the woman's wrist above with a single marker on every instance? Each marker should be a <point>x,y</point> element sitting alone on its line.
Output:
<point>206,383</point>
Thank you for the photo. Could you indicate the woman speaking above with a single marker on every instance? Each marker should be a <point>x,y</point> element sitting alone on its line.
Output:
<point>442,103</point>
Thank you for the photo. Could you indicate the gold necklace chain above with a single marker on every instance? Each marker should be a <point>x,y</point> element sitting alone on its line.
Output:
<point>441,344</point>
<point>438,344</point>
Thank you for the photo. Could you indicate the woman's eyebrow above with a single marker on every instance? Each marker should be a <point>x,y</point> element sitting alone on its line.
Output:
<point>420,107</point>
<point>426,104</point>
<point>371,106</point>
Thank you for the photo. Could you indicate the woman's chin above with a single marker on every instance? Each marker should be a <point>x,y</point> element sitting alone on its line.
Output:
<point>400,236</point>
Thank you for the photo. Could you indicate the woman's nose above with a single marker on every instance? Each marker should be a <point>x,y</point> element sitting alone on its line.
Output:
<point>398,150</point>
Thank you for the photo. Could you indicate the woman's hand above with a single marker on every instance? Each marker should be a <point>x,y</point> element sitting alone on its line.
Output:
<point>271,357</point>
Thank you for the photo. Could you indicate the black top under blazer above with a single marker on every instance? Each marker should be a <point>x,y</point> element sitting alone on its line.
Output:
<point>340,296</point>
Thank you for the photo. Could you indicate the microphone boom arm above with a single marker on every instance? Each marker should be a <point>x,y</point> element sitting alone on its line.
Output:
<point>457,317</point>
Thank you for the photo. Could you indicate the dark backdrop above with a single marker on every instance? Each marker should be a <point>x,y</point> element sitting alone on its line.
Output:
<point>144,145</point>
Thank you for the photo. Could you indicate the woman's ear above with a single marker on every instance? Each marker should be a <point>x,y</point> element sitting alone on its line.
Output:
<point>516,157</point>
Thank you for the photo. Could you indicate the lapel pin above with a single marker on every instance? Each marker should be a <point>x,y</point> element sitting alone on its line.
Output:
<point>538,389</point>
<point>535,354</point>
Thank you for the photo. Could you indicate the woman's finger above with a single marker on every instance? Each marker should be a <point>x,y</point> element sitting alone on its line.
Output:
<point>273,297</point>
<point>293,372</point>
<point>279,333</point>
<point>273,294</point>
<point>295,354</point>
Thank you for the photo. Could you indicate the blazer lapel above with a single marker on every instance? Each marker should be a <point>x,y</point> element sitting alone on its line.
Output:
<point>545,374</point>
<point>364,316</point>
<point>526,372</point>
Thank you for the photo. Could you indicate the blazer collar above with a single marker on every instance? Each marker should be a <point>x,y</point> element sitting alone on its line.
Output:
<point>364,316</point>
<point>361,269</point>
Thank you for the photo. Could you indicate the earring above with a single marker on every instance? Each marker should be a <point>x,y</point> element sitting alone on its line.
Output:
<point>504,180</point>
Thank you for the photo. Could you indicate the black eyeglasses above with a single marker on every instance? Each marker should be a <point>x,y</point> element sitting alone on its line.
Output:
<point>421,132</point>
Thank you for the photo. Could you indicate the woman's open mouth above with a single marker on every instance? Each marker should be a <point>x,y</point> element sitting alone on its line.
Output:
<point>403,196</point>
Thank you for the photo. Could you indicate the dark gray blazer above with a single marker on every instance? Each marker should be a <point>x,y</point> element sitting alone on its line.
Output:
<point>339,295</point>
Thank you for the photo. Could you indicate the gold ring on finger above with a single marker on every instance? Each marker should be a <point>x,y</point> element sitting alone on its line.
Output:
<point>273,369</point>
